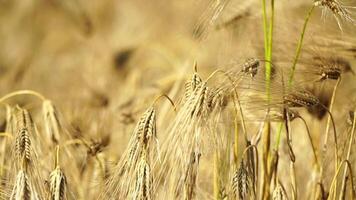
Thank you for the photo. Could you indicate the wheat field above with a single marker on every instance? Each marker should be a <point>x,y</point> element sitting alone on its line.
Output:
<point>181,99</point>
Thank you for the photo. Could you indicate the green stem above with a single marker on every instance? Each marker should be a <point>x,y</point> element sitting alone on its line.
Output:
<point>269,51</point>
<point>291,76</point>
<point>299,47</point>
<point>265,31</point>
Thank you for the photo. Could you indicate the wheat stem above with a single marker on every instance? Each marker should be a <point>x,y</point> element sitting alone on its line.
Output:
<point>269,52</point>
<point>4,134</point>
<point>333,183</point>
<point>330,119</point>
<point>22,92</point>
<point>278,136</point>
<point>299,46</point>
<point>316,161</point>
<point>265,158</point>
<point>236,139</point>
<point>168,98</point>
<point>343,185</point>
<point>216,178</point>
<point>265,31</point>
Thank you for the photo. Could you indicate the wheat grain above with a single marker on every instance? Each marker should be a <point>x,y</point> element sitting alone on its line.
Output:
<point>57,184</point>
<point>241,182</point>
<point>23,141</point>
<point>250,66</point>
<point>22,188</point>
<point>144,180</point>
<point>58,181</point>
<point>300,99</point>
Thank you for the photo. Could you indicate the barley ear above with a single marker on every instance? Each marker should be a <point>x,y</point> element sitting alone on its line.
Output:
<point>58,181</point>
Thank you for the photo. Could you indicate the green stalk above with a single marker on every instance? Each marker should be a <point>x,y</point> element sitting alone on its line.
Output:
<point>269,57</point>
<point>268,35</point>
<point>265,31</point>
<point>269,51</point>
<point>296,58</point>
<point>299,46</point>
<point>268,39</point>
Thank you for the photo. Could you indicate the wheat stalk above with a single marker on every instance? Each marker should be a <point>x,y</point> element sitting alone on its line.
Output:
<point>191,176</point>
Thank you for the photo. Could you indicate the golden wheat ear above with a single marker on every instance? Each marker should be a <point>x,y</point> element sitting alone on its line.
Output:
<point>242,182</point>
<point>337,9</point>
<point>22,189</point>
<point>132,173</point>
<point>23,149</point>
<point>144,180</point>
<point>58,182</point>
<point>193,83</point>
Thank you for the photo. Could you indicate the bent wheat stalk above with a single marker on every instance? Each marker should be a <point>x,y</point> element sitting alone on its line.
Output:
<point>22,92</point>
<point>333,183</point>
<point>343,185</point>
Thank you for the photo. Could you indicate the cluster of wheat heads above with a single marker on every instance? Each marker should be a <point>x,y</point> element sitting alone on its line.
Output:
<point>228,135</point>
<point>210,133</point>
